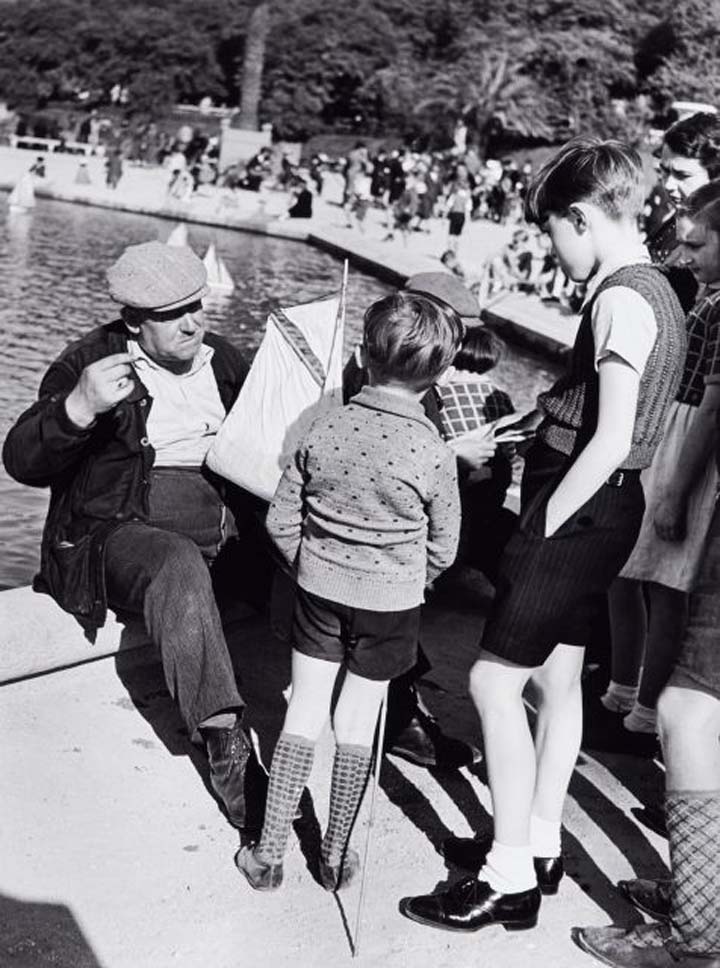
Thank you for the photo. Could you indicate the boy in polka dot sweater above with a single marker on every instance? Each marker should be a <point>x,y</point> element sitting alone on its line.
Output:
<point>366,515</point>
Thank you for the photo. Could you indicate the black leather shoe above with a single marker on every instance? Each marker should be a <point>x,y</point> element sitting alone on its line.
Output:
<point>422,743</point>
<point>229,751</point>
<point>650,897</point>
<point>470,905</point>
<point>470,853</point>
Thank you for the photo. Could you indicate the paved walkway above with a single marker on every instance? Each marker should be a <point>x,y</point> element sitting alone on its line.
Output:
<point>114,854</point>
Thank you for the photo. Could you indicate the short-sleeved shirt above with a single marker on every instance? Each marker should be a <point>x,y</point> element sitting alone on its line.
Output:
<point>611,312</point>
<point>702,362</point>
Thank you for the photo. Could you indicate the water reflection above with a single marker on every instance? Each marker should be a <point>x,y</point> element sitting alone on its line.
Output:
<point>52,290</point>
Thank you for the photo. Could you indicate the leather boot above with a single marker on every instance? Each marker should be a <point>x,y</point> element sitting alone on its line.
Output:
<point>229,750</point>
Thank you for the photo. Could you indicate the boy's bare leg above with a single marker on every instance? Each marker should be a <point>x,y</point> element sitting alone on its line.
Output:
<point>496,687</point>
<point>356,712</point>
<point>558,733</point>
<point>308,709</point>
<point>689,722</point>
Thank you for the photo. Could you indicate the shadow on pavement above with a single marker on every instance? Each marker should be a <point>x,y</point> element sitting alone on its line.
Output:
<point>35,934</point>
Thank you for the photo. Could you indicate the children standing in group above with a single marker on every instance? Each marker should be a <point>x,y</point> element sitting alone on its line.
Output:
<point>366,515</point>
<point>582,504</point>
<point>648,603</point>
<point>685,929</point>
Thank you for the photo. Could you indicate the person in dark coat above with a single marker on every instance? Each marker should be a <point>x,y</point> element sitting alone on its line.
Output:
<point>119,433</point>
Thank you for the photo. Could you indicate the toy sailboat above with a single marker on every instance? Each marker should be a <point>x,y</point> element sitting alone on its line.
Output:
<point>178,236</point>
<point>22,197</point>
<point>218,277</point>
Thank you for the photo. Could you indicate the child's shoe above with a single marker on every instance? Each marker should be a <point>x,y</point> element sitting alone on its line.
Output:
<point>259,874</point>
<point>335,877</point>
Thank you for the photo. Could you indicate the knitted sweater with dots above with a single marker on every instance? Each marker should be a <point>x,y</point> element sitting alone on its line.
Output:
<point>367,512</point>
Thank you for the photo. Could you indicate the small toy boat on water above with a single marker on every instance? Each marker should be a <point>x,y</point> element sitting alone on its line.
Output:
<point>178,236</point>
<point>218,277</point>
<point>22,197</point>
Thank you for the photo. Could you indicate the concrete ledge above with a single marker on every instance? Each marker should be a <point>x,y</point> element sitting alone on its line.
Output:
<point>39,637</point>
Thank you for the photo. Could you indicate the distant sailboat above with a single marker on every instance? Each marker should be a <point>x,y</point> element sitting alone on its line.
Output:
<point>178,236</point>
<point>218,277</point>
<point>22,197</point>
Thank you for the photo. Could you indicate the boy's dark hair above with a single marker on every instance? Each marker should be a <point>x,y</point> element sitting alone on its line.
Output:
<point>608,174</point>
<point>701,198</point>
<point>709,216</point>
<point>697,137</point>
<point>479,351</point>
<point>410,338</point>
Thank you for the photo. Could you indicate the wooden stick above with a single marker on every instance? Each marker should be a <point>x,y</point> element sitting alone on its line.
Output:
<point>339,324</point>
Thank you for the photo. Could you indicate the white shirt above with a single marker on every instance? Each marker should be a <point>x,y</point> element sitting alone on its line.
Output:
<point>623,322</point>
<point>186,410</point>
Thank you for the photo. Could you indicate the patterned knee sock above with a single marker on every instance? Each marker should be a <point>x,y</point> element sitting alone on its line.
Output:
<point>291,765</point>
<point>350,772</point>
<point>693,821</point>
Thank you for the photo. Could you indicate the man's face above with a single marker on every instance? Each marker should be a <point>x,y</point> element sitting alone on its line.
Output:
<point>680,176</point>
<point>699,250</point>
<point>172,338</point>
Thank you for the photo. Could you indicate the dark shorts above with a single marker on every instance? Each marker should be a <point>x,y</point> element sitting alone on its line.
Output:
<point>552,590</point>
<point>457,221</point>
<point>698,666</point>
<point>373,645</point>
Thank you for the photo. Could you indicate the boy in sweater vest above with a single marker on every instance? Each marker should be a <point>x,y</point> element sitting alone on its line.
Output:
<point>365,515</point>
<point>581,508</point>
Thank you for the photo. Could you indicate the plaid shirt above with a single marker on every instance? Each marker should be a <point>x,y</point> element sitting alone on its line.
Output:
<point>702,362</point>
<point>466,406</point>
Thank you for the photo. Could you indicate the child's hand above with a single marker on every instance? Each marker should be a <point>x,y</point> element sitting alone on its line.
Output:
<point>671,519</point>
<point>476,447</point>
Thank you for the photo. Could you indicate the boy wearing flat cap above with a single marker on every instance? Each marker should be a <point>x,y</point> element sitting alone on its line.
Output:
<point>119,433</point>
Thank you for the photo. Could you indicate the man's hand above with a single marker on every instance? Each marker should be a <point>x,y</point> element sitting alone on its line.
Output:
<point>476,447</point>
<point>102,385</point>
<point>671,518</point>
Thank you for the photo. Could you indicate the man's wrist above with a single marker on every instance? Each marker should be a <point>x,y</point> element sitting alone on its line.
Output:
<point>78,414</point>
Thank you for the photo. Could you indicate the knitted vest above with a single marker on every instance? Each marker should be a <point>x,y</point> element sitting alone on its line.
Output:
<point>571,404</point>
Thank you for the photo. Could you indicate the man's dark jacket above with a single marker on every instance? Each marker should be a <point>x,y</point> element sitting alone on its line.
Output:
<point>99,477</point>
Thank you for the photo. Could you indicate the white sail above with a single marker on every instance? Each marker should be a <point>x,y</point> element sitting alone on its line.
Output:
<point>22,197</point>
<point>178,236</point>
<point>218,277</point>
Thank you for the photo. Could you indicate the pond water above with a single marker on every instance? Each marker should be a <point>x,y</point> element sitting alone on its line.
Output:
<point>52,290</point>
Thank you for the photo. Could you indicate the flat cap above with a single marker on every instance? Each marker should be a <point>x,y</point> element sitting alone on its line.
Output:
<point>153,275</point>
<point>448,288</point>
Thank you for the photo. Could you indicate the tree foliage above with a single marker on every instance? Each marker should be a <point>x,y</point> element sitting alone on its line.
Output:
<point>537,70</point>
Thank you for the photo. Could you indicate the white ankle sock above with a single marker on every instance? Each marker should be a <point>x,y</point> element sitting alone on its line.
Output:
<point>619,698</point>
<point>509,870</point>
<point>641,719</point>
<point>544,837</point>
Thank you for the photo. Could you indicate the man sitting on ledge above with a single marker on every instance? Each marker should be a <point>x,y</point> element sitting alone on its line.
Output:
<point>123,421</point>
